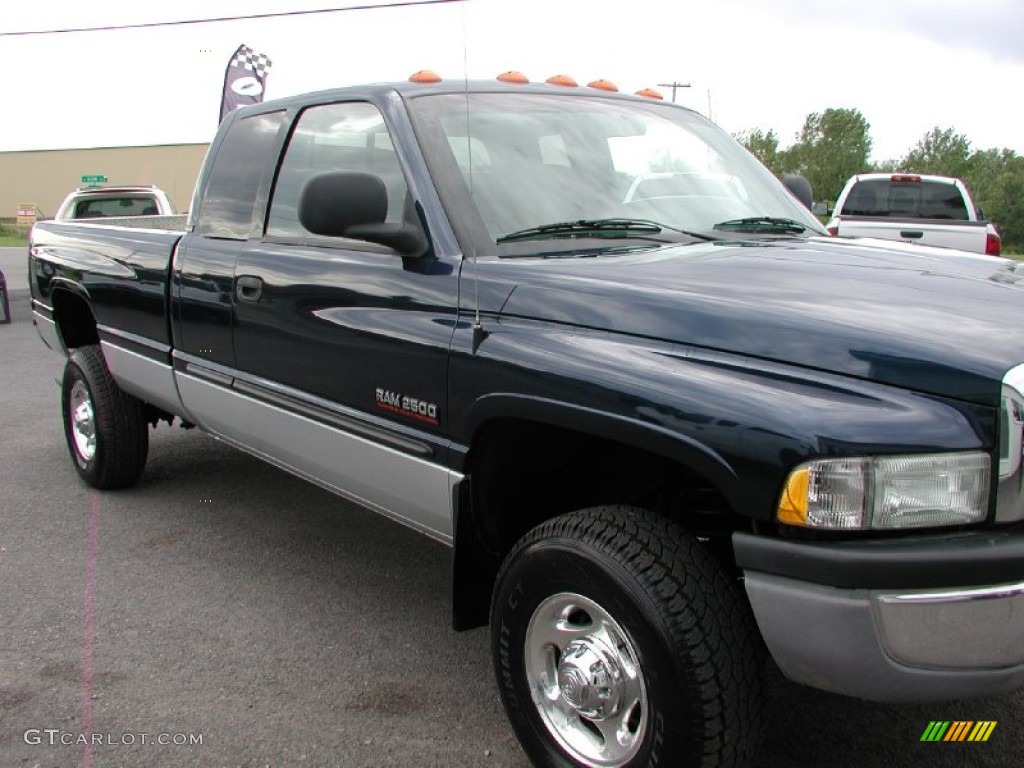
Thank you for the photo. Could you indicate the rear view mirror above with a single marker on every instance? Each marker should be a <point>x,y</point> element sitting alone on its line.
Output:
<point>355,205</point>
<point>799,187</point>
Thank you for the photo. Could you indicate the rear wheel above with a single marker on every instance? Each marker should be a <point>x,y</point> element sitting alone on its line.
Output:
<point>105,428</point>
<point>619,641</point>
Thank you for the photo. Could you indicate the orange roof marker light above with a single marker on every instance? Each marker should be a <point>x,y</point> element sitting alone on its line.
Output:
<point>602,85</point>
<point>425,76</point>
<point>513,76</point>
<point>562,80</point>
<point>650,93</point>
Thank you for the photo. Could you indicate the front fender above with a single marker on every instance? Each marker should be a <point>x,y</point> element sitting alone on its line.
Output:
<point>741,422</point>
<point>618,427</point>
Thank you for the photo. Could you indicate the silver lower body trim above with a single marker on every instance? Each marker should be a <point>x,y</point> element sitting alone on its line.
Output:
<point>413,491</point>
<point>147,379</point>
<point>910,646</point>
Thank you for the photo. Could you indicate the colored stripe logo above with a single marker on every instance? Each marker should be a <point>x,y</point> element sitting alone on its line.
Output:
<point>959,730</point>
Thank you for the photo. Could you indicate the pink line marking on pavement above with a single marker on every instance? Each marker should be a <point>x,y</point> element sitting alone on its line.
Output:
<point>88,611</point>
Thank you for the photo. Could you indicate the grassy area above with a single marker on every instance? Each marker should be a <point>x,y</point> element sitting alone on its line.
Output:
<point>11,236</point>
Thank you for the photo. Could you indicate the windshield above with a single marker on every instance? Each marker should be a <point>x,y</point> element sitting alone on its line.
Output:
<point>516,164</point>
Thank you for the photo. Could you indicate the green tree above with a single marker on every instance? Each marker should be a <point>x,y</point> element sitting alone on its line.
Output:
<point>941,151</point>
<point>764,145</point>
<point>995,178</point>
<point>832,146</point>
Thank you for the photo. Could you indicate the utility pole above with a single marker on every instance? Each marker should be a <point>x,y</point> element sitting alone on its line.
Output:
<point>674,86</point>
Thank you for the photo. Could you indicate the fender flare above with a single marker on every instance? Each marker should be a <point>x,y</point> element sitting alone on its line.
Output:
<point>646,435</point>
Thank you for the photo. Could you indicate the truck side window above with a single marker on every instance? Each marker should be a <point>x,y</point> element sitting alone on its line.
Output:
<point>235,177</point>
<point>334,137</point>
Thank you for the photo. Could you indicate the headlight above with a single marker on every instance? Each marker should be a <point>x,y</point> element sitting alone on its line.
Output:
<point>887,492</point>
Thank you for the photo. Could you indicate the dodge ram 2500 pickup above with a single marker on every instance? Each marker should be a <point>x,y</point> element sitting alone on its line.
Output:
<point>670,429</point>
<point>928,210</point>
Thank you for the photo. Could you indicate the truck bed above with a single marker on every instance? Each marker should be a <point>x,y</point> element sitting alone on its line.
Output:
<point>121,264</point>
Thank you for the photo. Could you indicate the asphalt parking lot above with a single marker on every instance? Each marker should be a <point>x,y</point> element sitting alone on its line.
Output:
<point>225,601</point>
<point>12,264</point>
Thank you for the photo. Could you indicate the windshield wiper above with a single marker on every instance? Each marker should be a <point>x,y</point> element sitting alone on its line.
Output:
<point>614,227</point>
<point>763,224</point>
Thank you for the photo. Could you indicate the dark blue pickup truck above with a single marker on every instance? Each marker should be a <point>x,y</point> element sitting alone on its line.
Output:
<point>671,430</point>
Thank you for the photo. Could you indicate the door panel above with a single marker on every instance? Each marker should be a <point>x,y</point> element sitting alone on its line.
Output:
<point>203,280</point>
<point>204,262</point>
<point>342,324</point>
<point>346,342</point>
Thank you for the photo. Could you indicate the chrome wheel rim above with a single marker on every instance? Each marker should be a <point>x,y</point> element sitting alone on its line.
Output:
<point>83,421</point>
<point>585,680</point>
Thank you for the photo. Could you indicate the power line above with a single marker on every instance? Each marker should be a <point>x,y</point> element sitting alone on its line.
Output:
<point>215,20</point>
<point>674,86</point>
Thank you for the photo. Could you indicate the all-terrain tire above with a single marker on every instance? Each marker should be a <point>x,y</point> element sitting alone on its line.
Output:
<point>105,427</point>
<point>618,640</point>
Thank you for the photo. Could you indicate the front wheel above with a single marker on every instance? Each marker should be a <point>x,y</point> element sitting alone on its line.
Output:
<point>619,641</point>
<point>105,427</point>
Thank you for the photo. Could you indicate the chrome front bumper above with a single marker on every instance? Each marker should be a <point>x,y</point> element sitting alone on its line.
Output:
<point>906,645</point>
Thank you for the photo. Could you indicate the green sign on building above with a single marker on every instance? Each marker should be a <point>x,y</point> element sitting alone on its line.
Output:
<point>94,179</point>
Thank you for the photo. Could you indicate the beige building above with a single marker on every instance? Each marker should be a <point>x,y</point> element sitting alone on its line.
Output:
<point>43,177</point>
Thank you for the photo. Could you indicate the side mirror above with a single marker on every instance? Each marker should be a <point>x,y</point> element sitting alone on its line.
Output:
<point>355,205</point>
<point>799,187</point>
<point>820,208</point>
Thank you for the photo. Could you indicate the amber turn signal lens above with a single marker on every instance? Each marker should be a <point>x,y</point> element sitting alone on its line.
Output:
<point>512,76</point>
<point>562,80</point>
<point>425,76</point>
<point>793,504</point>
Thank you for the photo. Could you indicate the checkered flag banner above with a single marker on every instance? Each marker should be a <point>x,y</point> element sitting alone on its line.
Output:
<point>245,79</point>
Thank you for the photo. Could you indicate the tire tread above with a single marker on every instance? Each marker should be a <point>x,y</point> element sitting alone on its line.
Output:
<point>702,610</point>
<point>122,433</point>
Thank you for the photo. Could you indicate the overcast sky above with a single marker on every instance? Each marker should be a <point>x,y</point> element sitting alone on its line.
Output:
<point>907,65</point>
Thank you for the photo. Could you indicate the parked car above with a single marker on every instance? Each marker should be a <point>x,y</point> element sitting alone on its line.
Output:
<point>914,208</point>
<point>115,202</point>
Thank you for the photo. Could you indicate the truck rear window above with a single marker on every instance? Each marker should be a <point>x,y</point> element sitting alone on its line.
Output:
<point>905,200</point>
<point>102,207</point>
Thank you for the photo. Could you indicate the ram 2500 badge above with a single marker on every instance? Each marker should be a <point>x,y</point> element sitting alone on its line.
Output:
<point>668,426</point>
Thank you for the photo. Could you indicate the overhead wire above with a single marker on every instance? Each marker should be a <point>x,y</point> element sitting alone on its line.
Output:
<point>218,19</point>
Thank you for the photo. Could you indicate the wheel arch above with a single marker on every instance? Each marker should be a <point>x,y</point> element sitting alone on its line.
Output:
<point>73,315</point>
<point>619,460</point>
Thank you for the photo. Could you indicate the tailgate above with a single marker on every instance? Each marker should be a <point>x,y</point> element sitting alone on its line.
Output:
<point>965,235</point>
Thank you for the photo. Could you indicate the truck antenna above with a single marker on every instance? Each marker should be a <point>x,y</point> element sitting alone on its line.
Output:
<point>478,330</point>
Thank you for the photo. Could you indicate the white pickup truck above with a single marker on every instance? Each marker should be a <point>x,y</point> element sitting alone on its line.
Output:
<point>913,208</point>
<point>107,202</point>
